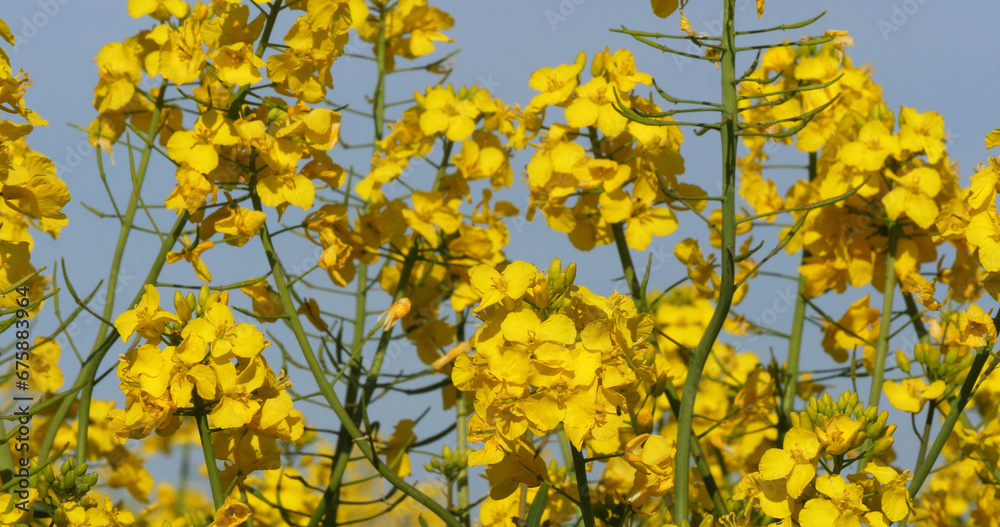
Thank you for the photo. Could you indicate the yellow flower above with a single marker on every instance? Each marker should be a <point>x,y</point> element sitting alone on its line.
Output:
<point>914,195</point>
<point>395,449</point>
<point>237,64</point>
<point>119,70</point>
<point>894,497</point>
<point>652,456</point>
<point>231,514</point>
<point>593,106</point>
<point>796,461</point>
<point>875,143</point>
<point>494,287</point>
<point>911,394</point>
<point>146,319</point>
<point>443,112</point>
<point>619,68</point>
<point>856,328</point>
<point>265,300</point>
<point>197,147</point>
<point>396,311</point>
<point>556,84</point>
<point>839,435</point>
<point>432,211</point>
<point>843,509</point>
<point>192,253</point>
<point>922,132</point>
<point>235,407</point>
<point>45,373</point>
<point>158,9</point>
<point>182,58</point>
<point>975,328</point>
<point>983,233</point>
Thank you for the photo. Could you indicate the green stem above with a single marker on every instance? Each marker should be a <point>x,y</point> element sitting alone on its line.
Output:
<point>580,469</point>
<point>728,129</point>
<point>924,469</point>
<point>404,280</point>
<point>794,341</point>
<point>89,367</point>
<point>885,324</point>
<point>209,452</point>
<point>636,290</point>
<point>925,436</point>
<point>83,411</point>
<point>363,443</point>
<point>462,438</point>
<point>344,443</point>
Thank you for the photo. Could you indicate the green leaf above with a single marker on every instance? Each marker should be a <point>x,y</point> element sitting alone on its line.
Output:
<point>538,506</point>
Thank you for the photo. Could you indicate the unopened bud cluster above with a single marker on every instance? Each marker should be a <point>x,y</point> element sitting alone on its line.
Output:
<point>820,412</point>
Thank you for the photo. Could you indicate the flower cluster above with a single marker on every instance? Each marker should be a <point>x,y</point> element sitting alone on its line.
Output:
<point>625,170</point>
<point>548,352</point>
<point>200,362</point>
<point>31,194</point>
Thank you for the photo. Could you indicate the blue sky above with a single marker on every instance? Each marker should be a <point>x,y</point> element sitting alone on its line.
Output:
<point>927,54</point>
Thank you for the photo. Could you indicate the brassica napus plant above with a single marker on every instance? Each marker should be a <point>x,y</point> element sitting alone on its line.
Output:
<point>645,405</point>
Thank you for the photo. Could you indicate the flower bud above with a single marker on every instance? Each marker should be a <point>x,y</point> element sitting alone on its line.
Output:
<point>570,274</point>
<point>952,355</point>
<point>555,268</point>
<point>933,357</point>
<point>920,353</point>
<point>804,421</point>
<point>883,444</point>
<point>68,481</point>
<point>903,361</point>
